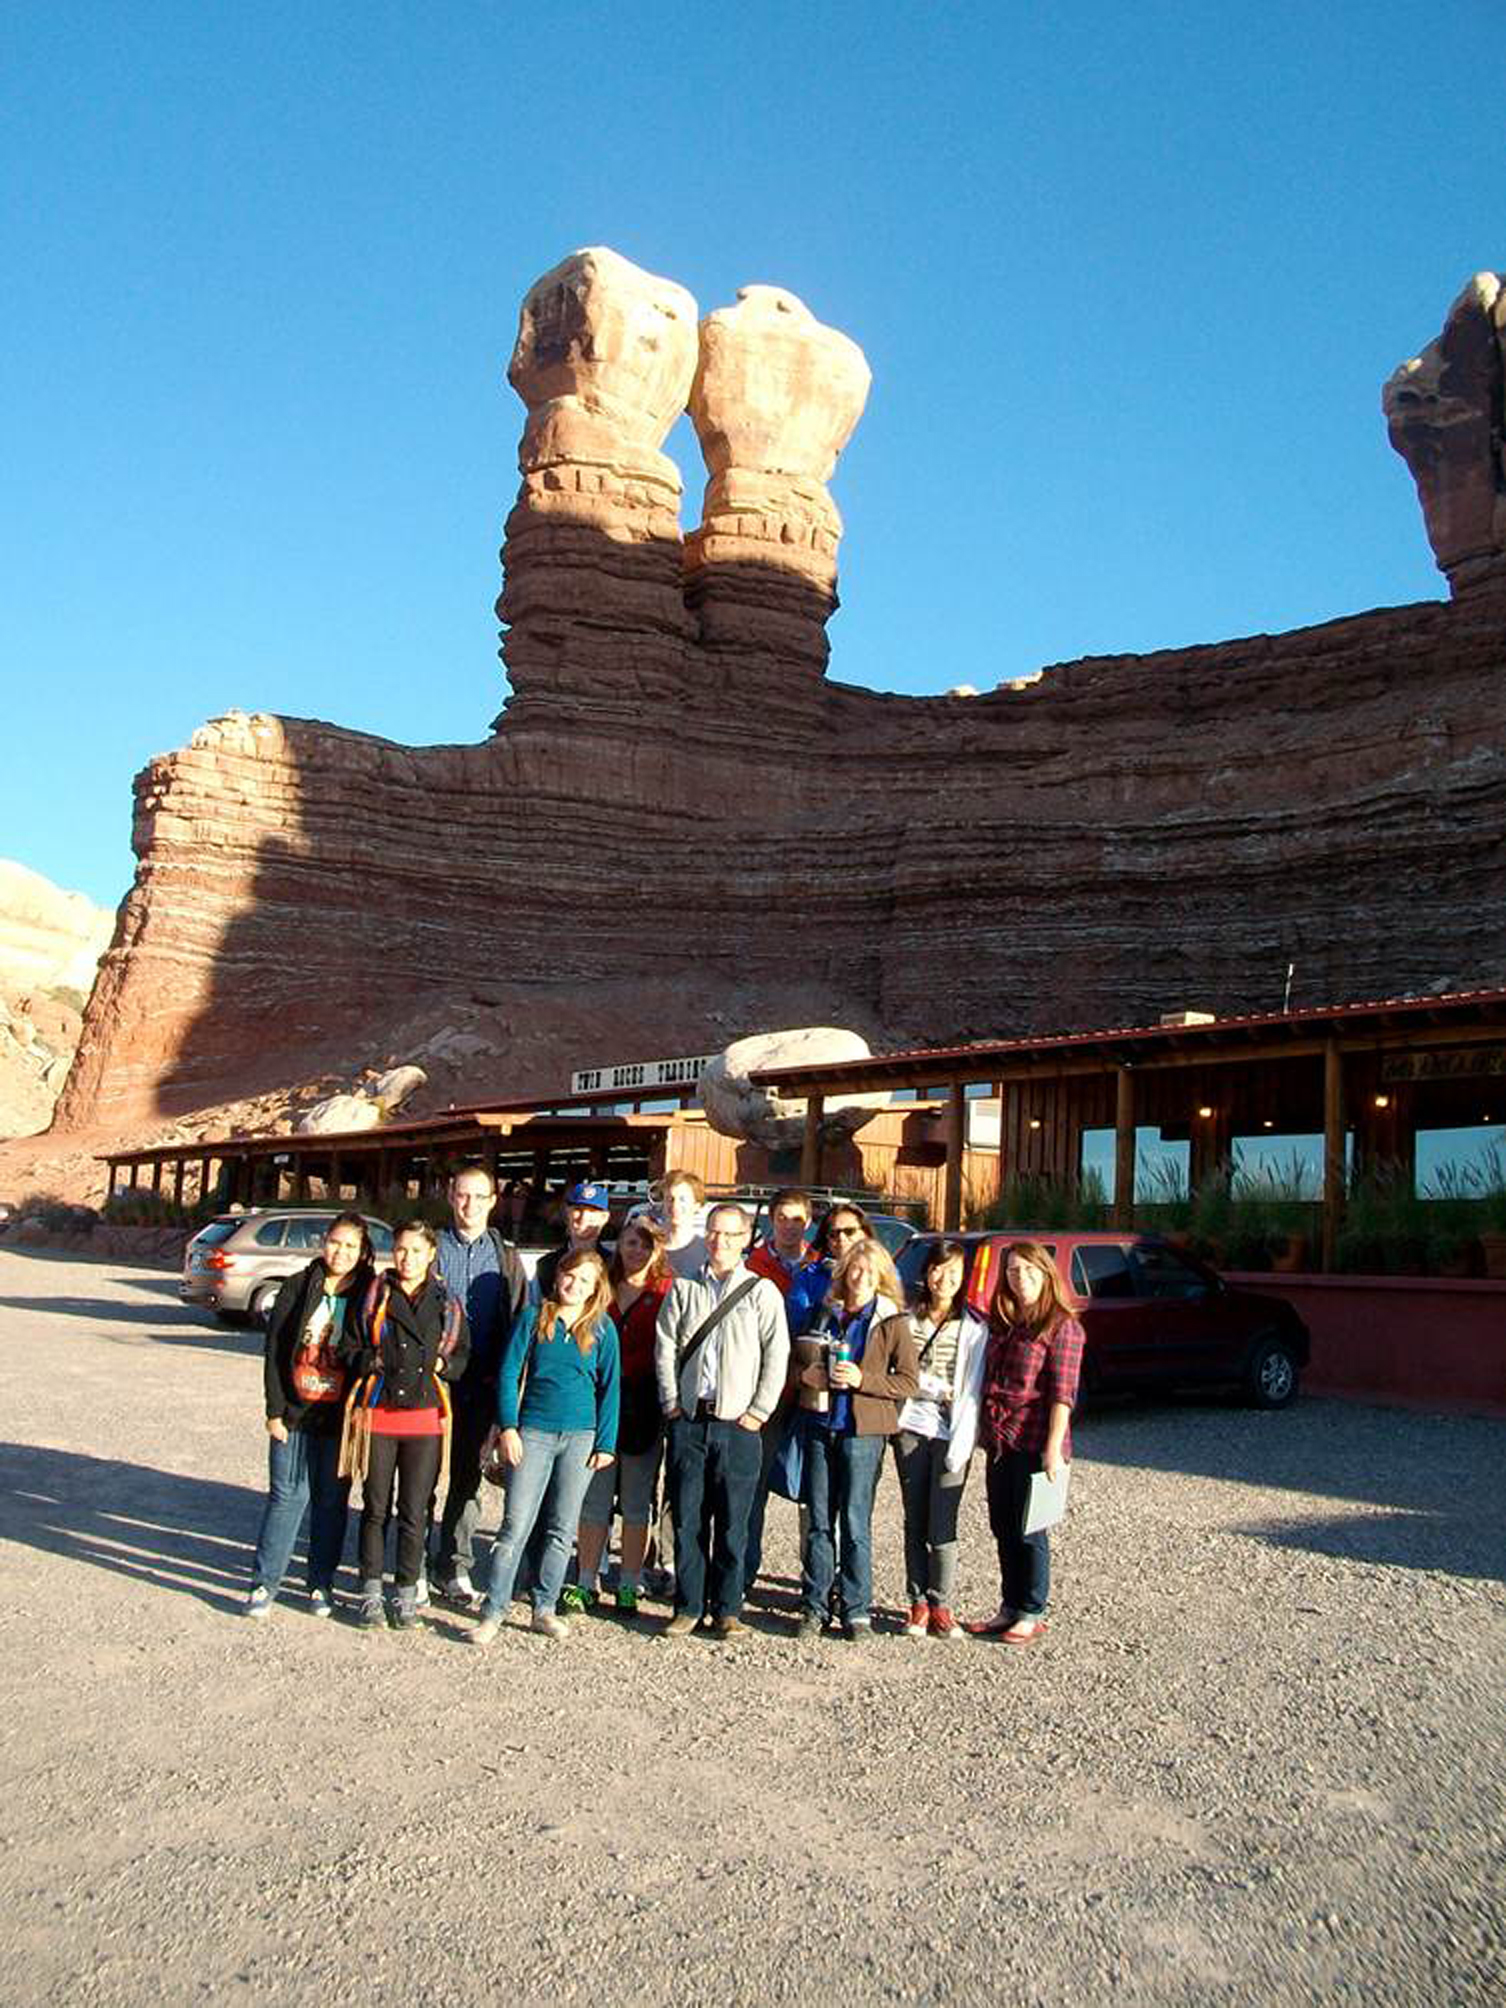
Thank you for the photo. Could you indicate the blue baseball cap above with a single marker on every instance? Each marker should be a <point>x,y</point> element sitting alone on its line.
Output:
<point>589,1194</point>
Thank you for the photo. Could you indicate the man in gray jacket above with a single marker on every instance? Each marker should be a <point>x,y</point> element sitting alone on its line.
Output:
<point>719,1359</point>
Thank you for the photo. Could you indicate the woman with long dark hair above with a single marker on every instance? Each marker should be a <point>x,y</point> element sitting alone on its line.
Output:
<point>934,1442</point>
<point>409,1341</point>
<point>1030,1376</point>
<point>640,1277</point>
<point>557,1423</point>
<point>305,1388</point>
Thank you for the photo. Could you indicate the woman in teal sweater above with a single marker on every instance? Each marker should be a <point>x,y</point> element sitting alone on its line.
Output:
<point>556,1423</point>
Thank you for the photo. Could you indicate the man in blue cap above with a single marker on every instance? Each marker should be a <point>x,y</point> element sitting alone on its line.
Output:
<point>586,1208</point>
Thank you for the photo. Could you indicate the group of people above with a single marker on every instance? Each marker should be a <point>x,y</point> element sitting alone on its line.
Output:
<point>675,1384</point>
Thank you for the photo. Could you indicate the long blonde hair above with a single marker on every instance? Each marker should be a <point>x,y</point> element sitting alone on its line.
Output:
<point>885,1277</point>
<point>1050,1307</point>
<point>591,1312</point>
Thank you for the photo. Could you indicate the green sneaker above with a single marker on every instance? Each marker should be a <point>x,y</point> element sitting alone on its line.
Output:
<point>627,1598</point>
<point>575,1599</point>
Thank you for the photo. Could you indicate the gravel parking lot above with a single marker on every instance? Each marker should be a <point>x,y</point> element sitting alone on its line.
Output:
<point>1259,1758</point>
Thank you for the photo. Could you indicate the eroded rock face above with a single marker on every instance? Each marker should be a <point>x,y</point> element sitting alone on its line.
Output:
<point>1445,410</point>
<point>736,1107</point>
<point>680,833</point>
<point>48,938</point>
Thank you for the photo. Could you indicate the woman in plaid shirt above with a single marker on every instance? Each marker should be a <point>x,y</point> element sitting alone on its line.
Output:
<point>1030,1375</point>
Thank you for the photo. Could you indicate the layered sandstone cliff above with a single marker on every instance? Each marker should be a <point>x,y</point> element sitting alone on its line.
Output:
<point>681,831</point>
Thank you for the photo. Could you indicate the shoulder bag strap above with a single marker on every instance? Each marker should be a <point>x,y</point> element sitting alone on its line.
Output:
<point>710,1322</point>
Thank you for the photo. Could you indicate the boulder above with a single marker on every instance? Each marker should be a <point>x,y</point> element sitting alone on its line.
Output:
<point>338,1115</point>
<point>394,1087</point>
<point>736,1106</point>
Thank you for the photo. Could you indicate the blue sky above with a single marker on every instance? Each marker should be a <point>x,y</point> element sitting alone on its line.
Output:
<point>1129,279</point>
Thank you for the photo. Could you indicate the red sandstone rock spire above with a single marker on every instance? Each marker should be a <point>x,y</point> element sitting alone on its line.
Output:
<point>1446,410</point>
<point>775,399</point>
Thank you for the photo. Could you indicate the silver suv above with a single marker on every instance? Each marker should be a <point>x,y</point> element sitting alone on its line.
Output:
<point>236,1265</point>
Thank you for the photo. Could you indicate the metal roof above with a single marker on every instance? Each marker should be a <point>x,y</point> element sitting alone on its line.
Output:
<point>916,1061</point>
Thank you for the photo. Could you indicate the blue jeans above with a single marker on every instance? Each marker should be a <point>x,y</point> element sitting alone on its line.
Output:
<point>1024,1559</point>
<point>547,1487</point>
<point>301,1476</point>
<point>713,1470</point>
<point>772,1435</point>
<point>841,1476</point>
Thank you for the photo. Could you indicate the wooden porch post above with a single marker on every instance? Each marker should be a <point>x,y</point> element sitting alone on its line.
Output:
<point>178,1169</point>
<point>1333,1148</point>
<point>1124,1147</point>
<point>810,1143</point>
<point>335,1178</point>
<point>956,1130</point>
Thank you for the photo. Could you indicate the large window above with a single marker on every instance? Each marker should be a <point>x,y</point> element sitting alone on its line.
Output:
<point>1467,1161</point>
<point>1162,1166</point>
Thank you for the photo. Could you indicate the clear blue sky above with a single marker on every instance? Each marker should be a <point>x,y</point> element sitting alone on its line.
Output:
<point>1129,278</point>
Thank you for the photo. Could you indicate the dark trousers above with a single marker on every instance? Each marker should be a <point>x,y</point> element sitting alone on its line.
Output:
<point>412,1464</point>
<point>770,1437</point>
<point>713,1469</point>
<point>1024,1559</point>
<point>455,1546</point>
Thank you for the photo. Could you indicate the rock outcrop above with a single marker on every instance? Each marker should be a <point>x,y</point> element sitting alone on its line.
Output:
<point>681,832</point>
<point>735,1106</point>
<point>1446,410</point>
<point>49,939</point>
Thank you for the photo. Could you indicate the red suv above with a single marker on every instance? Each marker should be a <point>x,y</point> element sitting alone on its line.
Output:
<point>1151,1315</point>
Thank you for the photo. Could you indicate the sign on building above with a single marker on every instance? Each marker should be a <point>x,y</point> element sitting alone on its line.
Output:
<point>640,1075</point>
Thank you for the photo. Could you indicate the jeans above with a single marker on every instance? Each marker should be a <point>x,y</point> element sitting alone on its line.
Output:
<point>1024,1559</point>
<point>841,1477</point>
<point>454,1549</point>
<point>771,1436</point>
<point>301,1474</point>
<point>547,1487</point>
<point>412,1463</point>
<point>713,1470</point>
<point>931,1496</point>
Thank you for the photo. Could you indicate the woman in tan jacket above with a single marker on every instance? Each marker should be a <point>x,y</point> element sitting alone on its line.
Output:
<point>853,1371</point>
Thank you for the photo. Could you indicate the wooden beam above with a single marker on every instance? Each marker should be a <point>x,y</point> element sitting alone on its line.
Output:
<point>1124,1147</point>
<point>1333,1149</point>
<point>956,1132</point>
<point>810,1142</point>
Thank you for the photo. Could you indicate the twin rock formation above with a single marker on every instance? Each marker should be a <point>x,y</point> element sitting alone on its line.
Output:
<point>680,832</point>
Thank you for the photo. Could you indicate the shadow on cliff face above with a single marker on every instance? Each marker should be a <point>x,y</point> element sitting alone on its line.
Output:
<point>681,833</point>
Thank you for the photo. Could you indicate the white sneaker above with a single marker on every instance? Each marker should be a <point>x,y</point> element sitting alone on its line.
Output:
<point>549,1626</point>
<point>259,1603</point>
<point>421,1592</point>
<point>321,1604</point>
<point>485,1632</point>
<point>460,1590</point>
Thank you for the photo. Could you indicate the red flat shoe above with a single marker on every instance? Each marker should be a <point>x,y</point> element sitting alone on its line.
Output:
<point>994,1627</point>
<point>1036,1633</point>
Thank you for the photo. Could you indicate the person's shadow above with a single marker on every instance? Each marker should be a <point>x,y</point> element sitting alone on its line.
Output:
<point>193,1535</point>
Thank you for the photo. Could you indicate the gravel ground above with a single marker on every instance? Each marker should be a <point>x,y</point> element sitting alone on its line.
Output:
<point>1258,1758</point>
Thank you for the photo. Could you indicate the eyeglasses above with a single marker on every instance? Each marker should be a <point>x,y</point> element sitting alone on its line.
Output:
<point>844,1233</point>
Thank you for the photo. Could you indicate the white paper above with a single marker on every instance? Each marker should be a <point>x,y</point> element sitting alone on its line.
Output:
<point>1047,1500</point>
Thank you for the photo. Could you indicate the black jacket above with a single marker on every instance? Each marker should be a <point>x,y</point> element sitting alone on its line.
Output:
<point>410,1341</point>
<point>295,1300</point>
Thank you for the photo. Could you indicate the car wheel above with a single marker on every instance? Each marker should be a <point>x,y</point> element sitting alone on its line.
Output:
<point>1272,1375</point>
<point>261,1304</point>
